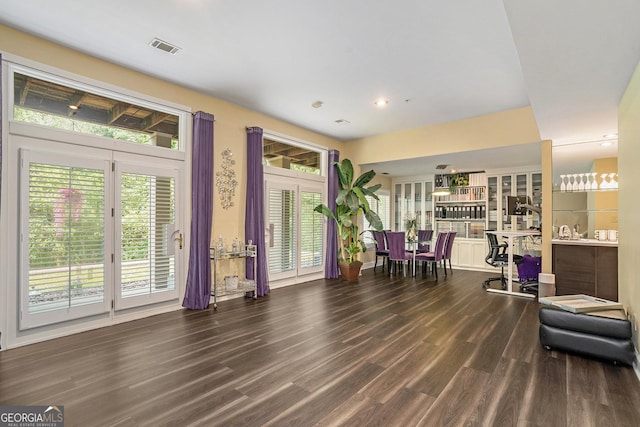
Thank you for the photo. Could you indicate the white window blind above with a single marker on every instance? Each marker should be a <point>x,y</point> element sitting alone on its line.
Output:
<point>66,228</point>
<point>311,241</point>
<point>282,230</point>
<point>383,208</point>
<point>147,214</point>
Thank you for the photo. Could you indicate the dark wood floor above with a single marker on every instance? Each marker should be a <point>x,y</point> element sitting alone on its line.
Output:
<point>384,351</point>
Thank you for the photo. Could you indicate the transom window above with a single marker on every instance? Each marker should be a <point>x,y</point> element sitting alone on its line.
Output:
<point>287,156</point>
<point>58,106</point>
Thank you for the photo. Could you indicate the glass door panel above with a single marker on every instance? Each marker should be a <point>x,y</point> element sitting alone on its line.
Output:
<point>492,200</point>
<point>521,221</point>
<point>311,231</point>
<point>428,205</point>
<point>64,261</point>
<point>407,210</point>
<point>505,188</point>
<point>282,226</point>
<point>145,224</point>
<point>397,207</point>
<point>419,207</point>
<point>536,196</point>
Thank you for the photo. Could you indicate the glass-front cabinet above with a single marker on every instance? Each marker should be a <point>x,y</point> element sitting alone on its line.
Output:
<point>527,186</point>
<point>413,200</point>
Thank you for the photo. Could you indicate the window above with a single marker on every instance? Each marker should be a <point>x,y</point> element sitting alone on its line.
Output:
<point>94,214</point>
<point>292,156</point>
<point>47,103</point>
<point>294,186</point>
<point>383,208</point>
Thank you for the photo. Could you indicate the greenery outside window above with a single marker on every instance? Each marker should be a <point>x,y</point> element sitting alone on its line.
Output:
<point>47,103</point>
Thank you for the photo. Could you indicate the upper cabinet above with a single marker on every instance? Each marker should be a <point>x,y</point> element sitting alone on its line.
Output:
<point>413,200</point>
<point>527,186</point>
<point>585,184</point>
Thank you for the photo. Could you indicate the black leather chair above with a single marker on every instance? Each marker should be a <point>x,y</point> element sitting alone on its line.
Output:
<point>498,257</point>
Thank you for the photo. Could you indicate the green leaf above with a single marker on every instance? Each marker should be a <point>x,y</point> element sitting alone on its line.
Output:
<point>353,202</point>
<point>364,178</point>
<point>374,220</point>
<point>324,210</point>
<point>362,199</point>
<point>341,195</point>
<point>345,173</point>
<point>371,191</point>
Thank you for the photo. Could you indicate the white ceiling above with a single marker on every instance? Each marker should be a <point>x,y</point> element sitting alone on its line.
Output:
<point>435,61</point>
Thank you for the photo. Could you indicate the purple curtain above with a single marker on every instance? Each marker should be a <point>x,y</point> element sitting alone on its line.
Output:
<point>198,290</point>
<point>254,215</point>
<point>331,260</point>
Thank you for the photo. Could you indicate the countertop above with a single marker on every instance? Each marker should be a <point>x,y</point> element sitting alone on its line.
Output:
<point>585,242</point>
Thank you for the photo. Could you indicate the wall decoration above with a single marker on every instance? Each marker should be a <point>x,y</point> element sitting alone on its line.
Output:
<point>226,180</point>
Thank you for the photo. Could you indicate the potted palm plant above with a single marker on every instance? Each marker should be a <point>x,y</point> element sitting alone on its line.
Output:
<point>350,202</point>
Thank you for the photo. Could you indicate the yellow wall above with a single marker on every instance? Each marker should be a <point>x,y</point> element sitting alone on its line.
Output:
<point>517,126</point>
<point>628,200</point>
<point>230,120</point>
<point>605,200</point>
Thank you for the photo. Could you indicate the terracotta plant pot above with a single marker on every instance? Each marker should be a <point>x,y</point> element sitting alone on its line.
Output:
<point>350,272</point>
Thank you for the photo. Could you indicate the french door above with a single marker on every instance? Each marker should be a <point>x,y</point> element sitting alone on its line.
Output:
<point>295,240</point>
<point>145,218</point>
<point>97,233</point>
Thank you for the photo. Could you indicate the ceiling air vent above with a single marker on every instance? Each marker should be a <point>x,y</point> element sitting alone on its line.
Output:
<point>164,46</point>
<point>441,167</point>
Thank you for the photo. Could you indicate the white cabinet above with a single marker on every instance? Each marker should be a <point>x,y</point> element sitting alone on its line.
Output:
<point>520,184</point>
<point>469,253</point>
<point>413,200</point>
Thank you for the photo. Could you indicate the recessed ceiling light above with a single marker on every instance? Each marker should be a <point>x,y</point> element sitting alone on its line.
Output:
<point>607,144</point>
<point>610,135</point>
<point>381,102</point>
<point>317,104</point>
<point>343,122</point>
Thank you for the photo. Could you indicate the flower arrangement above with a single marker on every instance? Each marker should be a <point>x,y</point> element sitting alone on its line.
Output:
<point>412,227</point>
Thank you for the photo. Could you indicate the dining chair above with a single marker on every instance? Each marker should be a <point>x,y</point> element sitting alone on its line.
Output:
<point>424,236</point>
<point>397,251</point>
<point>448,247</point>
<point>435,256</point>
<point>381,248</point>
